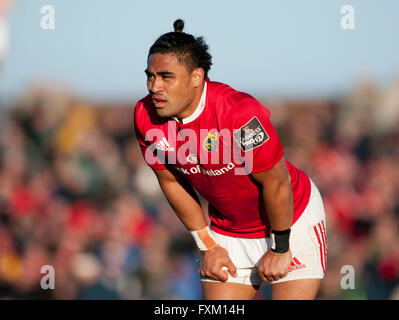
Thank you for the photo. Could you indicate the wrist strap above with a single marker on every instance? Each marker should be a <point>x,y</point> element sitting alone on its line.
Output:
<point>204,239</point>
<point>280,241</point>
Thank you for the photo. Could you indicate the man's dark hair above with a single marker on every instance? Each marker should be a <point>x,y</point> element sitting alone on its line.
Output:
<point>190,51</point>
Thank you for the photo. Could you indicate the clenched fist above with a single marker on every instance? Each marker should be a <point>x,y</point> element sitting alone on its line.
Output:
<point>274,266</point>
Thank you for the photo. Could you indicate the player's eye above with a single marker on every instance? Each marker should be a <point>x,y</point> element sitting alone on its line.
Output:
<point>149,75</point>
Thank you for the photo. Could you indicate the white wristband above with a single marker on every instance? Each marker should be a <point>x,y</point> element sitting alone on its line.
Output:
<point>204,239</point>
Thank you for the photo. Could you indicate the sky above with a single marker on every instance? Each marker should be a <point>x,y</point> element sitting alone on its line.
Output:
<point>98,48</point>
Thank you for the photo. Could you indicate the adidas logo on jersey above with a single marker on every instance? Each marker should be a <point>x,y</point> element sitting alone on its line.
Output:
<point>295,265</point>
<point>164,145</point>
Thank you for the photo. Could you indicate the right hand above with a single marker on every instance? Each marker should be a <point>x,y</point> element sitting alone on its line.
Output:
<point>213,261</point>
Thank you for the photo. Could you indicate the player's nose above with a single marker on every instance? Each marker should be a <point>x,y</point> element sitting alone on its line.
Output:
<point>155,86</point>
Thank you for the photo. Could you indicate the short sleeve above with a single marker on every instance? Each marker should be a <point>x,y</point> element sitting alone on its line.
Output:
<point>254,135</point>
<point>149,156</point>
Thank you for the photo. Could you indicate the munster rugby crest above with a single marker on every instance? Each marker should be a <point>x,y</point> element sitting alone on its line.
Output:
<point>211,142</point>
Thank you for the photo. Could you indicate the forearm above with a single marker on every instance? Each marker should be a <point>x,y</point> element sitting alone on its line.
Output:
<point>278,201</point>
<point>185,203</point>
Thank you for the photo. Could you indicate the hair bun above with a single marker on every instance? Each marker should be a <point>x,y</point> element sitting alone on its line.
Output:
<point>178,25</point>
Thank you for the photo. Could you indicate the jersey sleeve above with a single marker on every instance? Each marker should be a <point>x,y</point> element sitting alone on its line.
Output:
<point>149,156</point>
<point>254,136</point>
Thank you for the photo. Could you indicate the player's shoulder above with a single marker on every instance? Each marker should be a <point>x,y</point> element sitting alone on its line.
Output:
<point>226,95</point>
<point>233,103</point>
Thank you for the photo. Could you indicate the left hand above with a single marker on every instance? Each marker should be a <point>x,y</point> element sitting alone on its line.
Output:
<point>274,266</point>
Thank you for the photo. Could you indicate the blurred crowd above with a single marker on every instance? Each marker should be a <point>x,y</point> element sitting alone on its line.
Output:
<point>75,194</point>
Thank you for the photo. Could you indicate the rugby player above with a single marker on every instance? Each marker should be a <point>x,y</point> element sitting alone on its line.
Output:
<point>267,221</point>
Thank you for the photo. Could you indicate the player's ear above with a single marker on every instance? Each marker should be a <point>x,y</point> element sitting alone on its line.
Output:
<point>197,77</point>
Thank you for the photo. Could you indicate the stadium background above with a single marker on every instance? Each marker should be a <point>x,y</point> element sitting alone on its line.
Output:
<point>75,192</point>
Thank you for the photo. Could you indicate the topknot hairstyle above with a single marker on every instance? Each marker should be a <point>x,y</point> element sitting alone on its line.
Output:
<point>190,51</point>
<point>178,25</point>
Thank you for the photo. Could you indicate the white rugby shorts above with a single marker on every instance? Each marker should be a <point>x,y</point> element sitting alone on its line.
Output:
<point>307,243</point>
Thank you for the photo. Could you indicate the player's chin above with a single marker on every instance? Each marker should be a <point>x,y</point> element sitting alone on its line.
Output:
<point>164,112</point>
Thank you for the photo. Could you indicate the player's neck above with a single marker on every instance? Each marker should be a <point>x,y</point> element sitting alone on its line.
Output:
<point>190,109</point>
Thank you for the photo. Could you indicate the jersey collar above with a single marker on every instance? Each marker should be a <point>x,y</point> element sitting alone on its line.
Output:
<point>198,110</point>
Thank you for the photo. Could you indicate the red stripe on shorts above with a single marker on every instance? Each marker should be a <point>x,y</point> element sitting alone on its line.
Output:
<point>325,243</point>
<point>320,247</point>
<point>320,229</point>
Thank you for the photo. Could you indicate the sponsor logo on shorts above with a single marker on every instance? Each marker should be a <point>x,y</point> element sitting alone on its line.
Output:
<point>251,135</point>
<point>296,265</point>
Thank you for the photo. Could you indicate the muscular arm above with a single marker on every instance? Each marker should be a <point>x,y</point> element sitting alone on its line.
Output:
<point>183,199</point>
<point>186,204</point>
<point>278,200</point>
<point>277,195</point>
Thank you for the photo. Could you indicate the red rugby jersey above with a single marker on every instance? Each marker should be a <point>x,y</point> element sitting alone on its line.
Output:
<point>228,137</point>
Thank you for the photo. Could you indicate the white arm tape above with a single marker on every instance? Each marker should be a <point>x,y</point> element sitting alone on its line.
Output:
<point>204,239</point>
